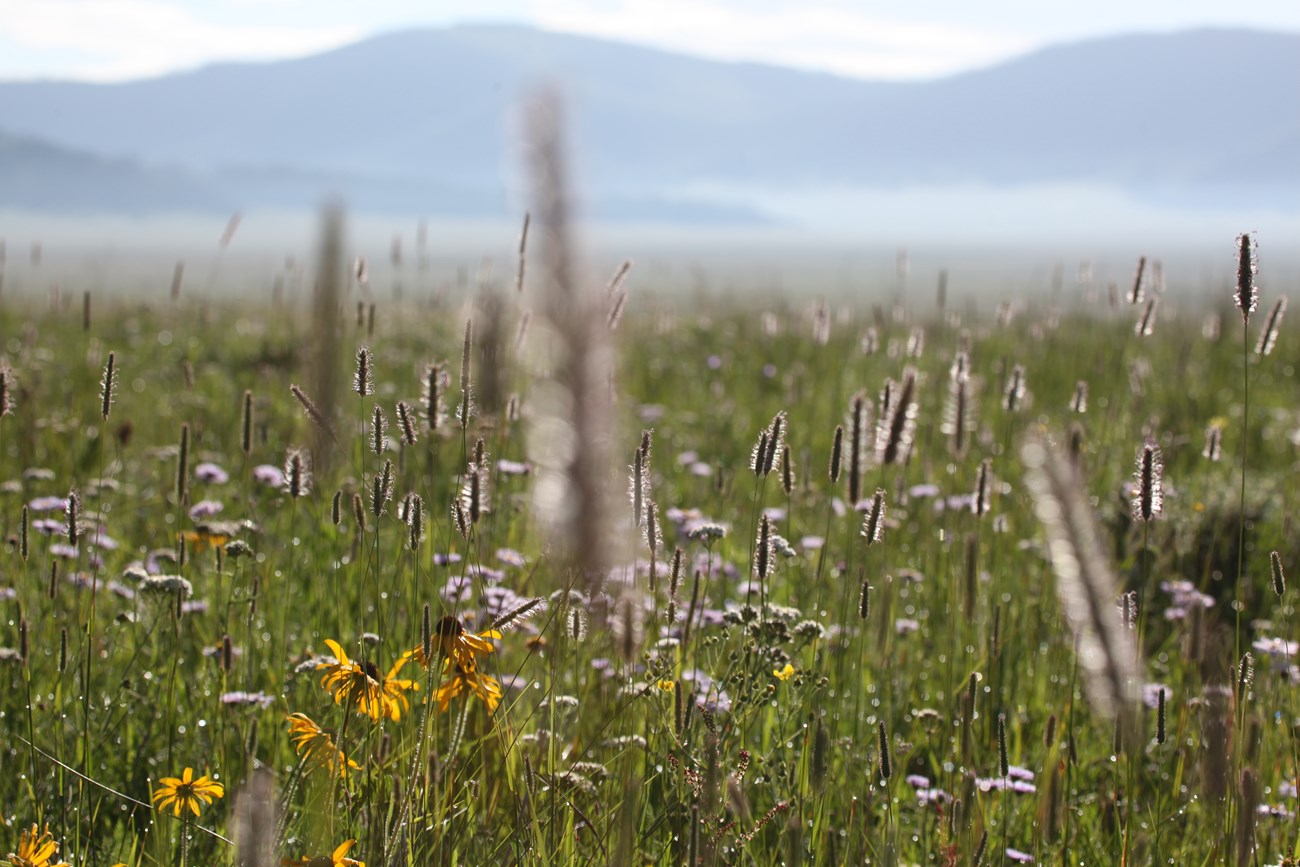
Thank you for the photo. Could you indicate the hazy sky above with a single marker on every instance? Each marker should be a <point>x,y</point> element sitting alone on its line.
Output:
<point>120,39</point>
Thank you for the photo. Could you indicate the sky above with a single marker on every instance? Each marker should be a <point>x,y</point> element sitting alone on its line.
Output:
<point>115,40</point>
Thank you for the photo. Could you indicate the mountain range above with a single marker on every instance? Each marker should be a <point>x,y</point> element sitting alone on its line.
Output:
<point>428,122</point>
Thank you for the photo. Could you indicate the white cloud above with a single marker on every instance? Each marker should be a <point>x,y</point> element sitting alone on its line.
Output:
<point>113,40</point>
<point>821,36</point>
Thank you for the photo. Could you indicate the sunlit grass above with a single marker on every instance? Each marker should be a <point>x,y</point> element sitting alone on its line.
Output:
<point>805,679</point>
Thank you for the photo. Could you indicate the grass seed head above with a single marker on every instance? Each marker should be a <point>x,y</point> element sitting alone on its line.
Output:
<point>1247,294</point>
<point>6,390</point>
<point>183,464</point>
<point>297,473</point>
<point>363,380</point>
<point>1014,393</point>
<point>72,513</point>
<point>1268,336</point>
<point>378,430</point>
<point>1138,290</point>
<point>435,389</point>
<point>107,385</point>
<point>896,444</point>
<point>873,524</point>
<point>837,453</point>
<point>246,424</point>
<point>406,423</point>
<point>1148,497</point>
<point>886,761</point>
<point>465,410</point>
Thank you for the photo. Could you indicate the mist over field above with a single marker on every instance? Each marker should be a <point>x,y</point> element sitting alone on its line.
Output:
<point>857,263</point>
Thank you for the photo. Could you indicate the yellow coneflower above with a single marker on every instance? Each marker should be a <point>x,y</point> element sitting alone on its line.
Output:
<point>316,745</point>
<point>36,848</point>
<point>337,859</point>
<point>186,791</point>
<point>374,695</point>
<point>459,644</point>
<point>483,686</point>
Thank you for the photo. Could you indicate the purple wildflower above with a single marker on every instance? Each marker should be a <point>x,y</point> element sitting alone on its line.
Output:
<point>268,475</point>
<point>205,509</point>
<point>211,473</point>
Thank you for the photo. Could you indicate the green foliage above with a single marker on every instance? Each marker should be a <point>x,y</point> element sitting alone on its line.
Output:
<point>643,740</point>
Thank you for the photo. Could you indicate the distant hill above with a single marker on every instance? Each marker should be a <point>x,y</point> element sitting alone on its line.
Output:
<point>426,121</point>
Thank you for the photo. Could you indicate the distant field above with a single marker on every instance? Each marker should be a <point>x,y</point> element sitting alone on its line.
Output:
<point>818,662</point>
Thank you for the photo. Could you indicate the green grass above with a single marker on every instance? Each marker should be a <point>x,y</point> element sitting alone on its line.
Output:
<point>596,753</point>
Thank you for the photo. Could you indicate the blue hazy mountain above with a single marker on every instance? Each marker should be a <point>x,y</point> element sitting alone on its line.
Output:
<point>429,121</point>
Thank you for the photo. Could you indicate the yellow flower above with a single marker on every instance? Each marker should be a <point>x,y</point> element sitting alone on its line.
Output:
<point>202,540</point>
<point>375,695</point>
<point>667,685</point>
<point>783,673</point>
<point>458,643</point>
<point>36,848</point>
<point>486,688</point>
<point>315,745</point>
<point>337,859</point>
<point>186,791</point>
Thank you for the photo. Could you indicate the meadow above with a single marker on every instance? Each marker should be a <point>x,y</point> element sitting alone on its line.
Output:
<point>910,580</point>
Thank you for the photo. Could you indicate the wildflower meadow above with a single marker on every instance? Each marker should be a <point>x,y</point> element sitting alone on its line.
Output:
<point>569,571</point>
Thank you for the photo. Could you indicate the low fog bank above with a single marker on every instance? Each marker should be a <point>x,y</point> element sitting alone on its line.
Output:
<point>858,246</point>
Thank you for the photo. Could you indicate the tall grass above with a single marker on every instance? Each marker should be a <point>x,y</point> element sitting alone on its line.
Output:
<point>816,675</point>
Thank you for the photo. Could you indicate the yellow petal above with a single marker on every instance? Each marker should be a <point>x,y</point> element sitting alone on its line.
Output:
<point>338,652</point>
